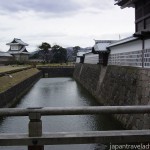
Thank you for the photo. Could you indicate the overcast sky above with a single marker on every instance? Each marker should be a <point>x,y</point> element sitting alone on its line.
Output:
<point>64,22</point>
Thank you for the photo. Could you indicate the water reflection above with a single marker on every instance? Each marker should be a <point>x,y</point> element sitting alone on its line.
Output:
<point>59,92</point>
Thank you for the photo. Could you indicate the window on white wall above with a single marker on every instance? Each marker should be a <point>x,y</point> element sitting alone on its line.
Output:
<point>14,47</point>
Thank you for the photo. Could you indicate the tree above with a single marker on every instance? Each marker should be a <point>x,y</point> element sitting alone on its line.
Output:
<point>59,54</point>
<point>69,55</point>
<point>45,51</point>
<point>34,56</point>
<point>75,51</point>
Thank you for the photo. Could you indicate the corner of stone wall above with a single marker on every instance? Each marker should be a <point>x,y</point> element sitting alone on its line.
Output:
<point>88,76</point>
<point>118,85</point>
<point>127,86</point>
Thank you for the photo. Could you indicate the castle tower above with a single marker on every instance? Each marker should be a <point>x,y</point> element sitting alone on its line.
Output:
<point>142,15</point>
<point>18,50</point>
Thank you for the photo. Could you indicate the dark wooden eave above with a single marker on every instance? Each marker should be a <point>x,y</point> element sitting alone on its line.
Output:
<point>99,52</point>
<point>126,3</point>
<point>122,2</point>
<point>14,41</point>
<point>142,34</point>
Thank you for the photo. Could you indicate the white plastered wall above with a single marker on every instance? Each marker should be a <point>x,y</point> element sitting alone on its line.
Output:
<point>91,58</point>
<point>127,47</point>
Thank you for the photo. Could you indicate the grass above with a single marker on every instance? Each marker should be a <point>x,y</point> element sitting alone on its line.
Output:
<point>55,64</point>
<point>6,82</point>
<point>10,68</point>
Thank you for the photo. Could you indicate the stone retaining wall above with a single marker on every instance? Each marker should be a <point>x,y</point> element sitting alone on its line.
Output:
<point>118,85</point>
<point>88,76</point>
<point>10,97</point>
<point>57,71</point>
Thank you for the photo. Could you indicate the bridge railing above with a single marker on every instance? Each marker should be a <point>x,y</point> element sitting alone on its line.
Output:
<point>35,139</point>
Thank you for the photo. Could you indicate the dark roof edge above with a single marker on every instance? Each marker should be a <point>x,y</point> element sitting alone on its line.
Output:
<point>123,41</point>
<point>125,3</point>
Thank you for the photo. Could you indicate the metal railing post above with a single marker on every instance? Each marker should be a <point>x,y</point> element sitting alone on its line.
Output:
<point>35,130</point>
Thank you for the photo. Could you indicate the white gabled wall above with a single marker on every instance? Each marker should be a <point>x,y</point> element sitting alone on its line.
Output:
<point>77,59</point>
<point>126,54</point>
<point>131,54</point>
<point>14,47</point>
<point>91,58</point>
<point>147,44</point>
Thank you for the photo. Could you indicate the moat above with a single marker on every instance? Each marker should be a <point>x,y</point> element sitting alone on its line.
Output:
<point>59,92</point>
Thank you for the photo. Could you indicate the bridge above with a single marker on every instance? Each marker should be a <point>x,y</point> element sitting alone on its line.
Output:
<point>35,139</point>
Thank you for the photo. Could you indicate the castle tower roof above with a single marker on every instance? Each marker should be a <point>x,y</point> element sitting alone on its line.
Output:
<point>17,41</point>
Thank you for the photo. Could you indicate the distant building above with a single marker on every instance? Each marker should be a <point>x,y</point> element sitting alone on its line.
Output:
<point>5,57</point>
<point>101,49</point>
<point>90,58</point>
<point>142,15</point>
<point>126,52</point>
<point>131,51</point>
<point>80,57</point>
<point>134,50</point>
<point>81,54</point>
<point>96,55</point>
<point>18,50</point>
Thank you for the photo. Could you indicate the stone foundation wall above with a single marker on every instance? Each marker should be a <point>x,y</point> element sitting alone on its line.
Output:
<point>11,96</point>
<point>87,75</point>
<point>118,85</point>
<point>57,71</point>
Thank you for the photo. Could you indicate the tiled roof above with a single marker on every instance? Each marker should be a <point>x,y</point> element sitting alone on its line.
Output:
<point>122,41</point>
<point>101,45</point>
<point>89,53</point>
<point>79,54</point>
<point>17,42</point>
<point>5,54</point>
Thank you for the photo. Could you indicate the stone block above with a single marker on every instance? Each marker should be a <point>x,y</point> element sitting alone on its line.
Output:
<point>146,122</point>
<point>144,77</point>
<point>144,71</point>
<point>148,73</point>
<point>145,100</point>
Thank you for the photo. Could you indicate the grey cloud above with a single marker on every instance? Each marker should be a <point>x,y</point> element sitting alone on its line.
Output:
<point>52,6</point>
<point>45,35</point>
<point>4,29</point>
<point>102,4</point>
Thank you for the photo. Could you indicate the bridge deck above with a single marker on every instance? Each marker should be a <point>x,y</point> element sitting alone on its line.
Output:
<point>115,137</point>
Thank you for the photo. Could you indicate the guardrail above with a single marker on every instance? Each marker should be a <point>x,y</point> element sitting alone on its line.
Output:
<point>35,139</point>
